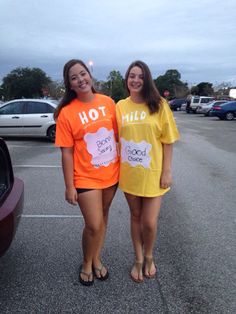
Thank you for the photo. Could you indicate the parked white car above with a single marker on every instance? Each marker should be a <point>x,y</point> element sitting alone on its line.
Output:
<point>197,101</point>
<point>205,108</point>
<point>28,117</point>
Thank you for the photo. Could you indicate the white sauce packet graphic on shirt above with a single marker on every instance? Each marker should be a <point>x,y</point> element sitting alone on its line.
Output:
<point>102,146</point>
<point>135,153</point>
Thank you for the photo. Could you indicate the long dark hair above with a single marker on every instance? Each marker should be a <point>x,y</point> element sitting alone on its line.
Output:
<point>149,91</point>
<point>69,94</point>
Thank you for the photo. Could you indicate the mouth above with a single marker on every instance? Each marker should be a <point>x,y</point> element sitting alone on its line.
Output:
<point>136,86</point>
<point>83,85</point>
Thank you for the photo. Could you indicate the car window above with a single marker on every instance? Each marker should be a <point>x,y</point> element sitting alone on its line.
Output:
<point>13,108</point>
<point>5,174</point>
<point>195,100</point>
<point>205,100</point>
<point>38,107</point>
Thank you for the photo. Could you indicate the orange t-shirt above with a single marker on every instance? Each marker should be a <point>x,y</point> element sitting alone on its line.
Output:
<point>92,130</point>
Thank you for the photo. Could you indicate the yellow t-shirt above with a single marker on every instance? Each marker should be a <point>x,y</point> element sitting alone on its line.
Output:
<point>141,136</point>
<point>91,129</point>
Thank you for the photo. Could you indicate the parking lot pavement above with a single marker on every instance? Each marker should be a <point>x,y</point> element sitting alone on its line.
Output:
<point>40,272</point>
<point>195,251</point>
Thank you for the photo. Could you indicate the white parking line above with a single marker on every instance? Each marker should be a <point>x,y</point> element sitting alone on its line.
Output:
<point>31,146</point>
<point>35,166</point>
<point>52,216</point>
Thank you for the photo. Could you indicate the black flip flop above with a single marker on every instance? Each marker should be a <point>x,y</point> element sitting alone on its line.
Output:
<point>102,278</point>
<point>83,282</point>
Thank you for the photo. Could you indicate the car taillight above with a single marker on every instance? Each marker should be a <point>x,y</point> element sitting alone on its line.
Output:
<point>216,108</point>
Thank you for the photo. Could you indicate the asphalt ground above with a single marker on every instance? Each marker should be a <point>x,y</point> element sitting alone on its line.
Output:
<point>195,250</point>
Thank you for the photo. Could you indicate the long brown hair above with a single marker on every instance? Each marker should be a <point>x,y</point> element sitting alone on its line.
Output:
<point>69,94</point>
<point>149,91</point>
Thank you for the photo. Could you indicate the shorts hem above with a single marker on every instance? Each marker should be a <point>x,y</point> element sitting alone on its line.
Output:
<point>96,187</point>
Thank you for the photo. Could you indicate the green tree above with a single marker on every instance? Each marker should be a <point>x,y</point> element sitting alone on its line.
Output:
<point>171,81</point>
<point>194,90</point>
<point>56,89</point>
<point>24,82</point>
<point>205,89</point>
<point>115,85</point>
<point>102,87</point>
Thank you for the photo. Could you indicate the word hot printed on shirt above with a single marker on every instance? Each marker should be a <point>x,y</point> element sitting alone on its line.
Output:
<point>92,114</point>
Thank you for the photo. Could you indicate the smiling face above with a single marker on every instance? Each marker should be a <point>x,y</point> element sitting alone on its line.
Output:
<point>80,80</point>
<point>135,80</point>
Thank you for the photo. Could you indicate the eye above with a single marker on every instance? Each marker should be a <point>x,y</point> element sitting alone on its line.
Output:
<point>73,78</point>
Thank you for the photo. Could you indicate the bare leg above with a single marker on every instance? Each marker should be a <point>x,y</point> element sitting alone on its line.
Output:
<point>150,213</point>
<point>135,205</point>
<point>91,207</point>
<point>107,197</point>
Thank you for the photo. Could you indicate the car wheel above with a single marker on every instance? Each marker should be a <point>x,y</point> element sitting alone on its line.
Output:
<point>229,116</point>
<point>51,133</point>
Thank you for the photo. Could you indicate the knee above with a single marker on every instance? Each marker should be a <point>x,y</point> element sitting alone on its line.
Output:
<point>149,226</point>
<point>135,217</point>
<point>94,229</point>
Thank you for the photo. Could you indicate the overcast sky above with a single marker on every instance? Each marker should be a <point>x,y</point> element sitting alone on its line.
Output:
<point>198,38</point>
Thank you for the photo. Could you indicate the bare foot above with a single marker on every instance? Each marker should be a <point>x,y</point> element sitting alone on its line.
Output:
<point>137,272</point>
<point>150,268</point>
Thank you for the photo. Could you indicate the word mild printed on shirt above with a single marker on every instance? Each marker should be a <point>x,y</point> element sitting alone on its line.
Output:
<point>92,114</point>
<point>134,116</point>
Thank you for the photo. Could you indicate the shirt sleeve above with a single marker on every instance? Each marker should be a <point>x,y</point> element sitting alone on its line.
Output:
<point>114,122</point>
<point>118,117</point>
<point>170,133</point>
<point>64,135</point>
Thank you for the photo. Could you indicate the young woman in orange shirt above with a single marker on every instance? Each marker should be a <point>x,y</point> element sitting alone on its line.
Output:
<point>86,132</point>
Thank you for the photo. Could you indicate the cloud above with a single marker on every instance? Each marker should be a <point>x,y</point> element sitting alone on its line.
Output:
<point>195,37</point>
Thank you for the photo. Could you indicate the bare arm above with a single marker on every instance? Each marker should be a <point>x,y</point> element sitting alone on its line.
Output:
<point>166,175</point>
<point>68,172</point>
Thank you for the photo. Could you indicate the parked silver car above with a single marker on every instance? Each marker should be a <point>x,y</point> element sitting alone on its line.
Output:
<point>28,117</point>
<point>205,108</point>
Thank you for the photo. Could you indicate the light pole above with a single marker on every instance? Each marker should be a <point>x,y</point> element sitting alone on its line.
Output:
<point>91,66</point>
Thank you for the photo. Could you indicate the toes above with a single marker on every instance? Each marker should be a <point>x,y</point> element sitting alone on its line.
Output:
<point>137,274</point>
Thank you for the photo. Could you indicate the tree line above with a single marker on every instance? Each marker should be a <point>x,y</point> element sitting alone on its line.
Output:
<point>34,83</point>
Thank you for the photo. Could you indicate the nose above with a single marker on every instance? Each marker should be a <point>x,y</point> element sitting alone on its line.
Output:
<point>136,78</point>
<point>80,78</point>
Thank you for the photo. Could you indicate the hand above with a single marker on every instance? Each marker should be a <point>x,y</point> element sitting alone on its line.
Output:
<point>71,196</point>
<point>166,179</point>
